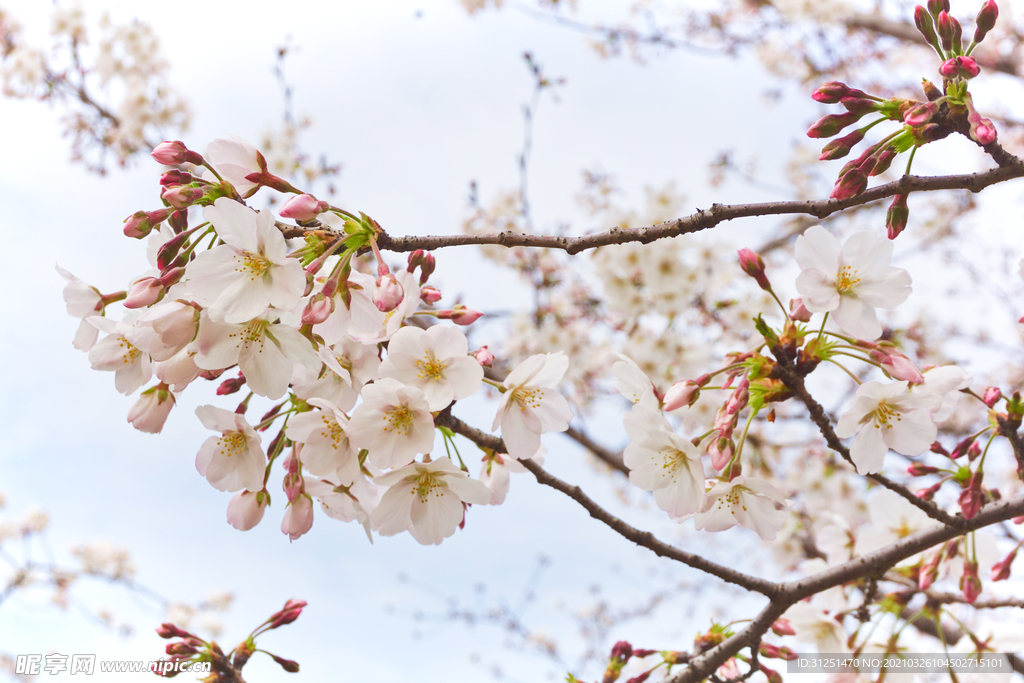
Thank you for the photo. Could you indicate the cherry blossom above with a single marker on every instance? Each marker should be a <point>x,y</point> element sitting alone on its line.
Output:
<point>326,448</point>
<point>246,509</point>
<point>165,329</point>
<point>885,416</point>
<point>531,406</point>
<point>849,281</point>
<point>630,381</point>
<point>151,410</point>
<point>892,520</point>
<point>495,473</point>
<point>663,462</point>
<point>435,360</point>
<point>393,423</point>
<point>250,272</point>
<point>748,502</point>
<point>83,302</point>
<point>347,366</point>
<point>298,517</point>
<point>347,503</point>
<point>114,353</point>
<point>235,159</point>
<point>813,625</point>
<point>266,351</point>
<point>369,328</point>
<point>234,460</point>
<point>427,500</point>
<point>943,383</point>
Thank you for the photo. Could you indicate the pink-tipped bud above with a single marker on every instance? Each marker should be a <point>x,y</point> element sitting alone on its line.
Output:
<point>429,295</point>
<point>176,177</point>
<point>772,675</point>
<point>182,196</point>
<point>918,470</point>
<point>799,312</point>
<point>983,131</point>
<point>289,665</point>
<point>171,277</point>
<point>970,584</point>
<point>303,207</point>
<point>937,447</point>
<point>140,223</point>
<point>246,509</point>
<point>683,393</point>
<point>881,161</point>
<point>267,179</point>
<point>928,493</point>
<point>929,571</point>
<point>145,292</point>
<point>859,105</point>
<point>850,185</point>
<point>944,27</point>
<point>830,125</point>
<point>414,260</point>
<point>318,309</point>
<point>739,398</point>
<point>926,25</point>
<point>837,149</point>
<point>753,265</point>
<point>286,616</point>
<point>768,650</point>
<point>834,91</point>
<point>484,357</point>
<point>961,448</point>
<point>460,315</point>
<point>972,497</point>
<point>180,648</point>
<point>387,293</point>
<point>937,6</point>
<point>964,67</point>
<point>721,451</point>
<point>921,114</point>
<point>986,20</point>
<point>783,627</point>
<point>897,365</point>
<point>992,396</point>
<point>168,630</point>
<point>298,520</point>
<point>974,452</point>
<point>1001,569</point>
<point>230,386</point>
<point>897,217</point>
<point>175,152</point>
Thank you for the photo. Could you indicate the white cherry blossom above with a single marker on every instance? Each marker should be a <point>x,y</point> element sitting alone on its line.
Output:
<point>234,159</point>
<point>435,360</point>
<point>246,509</point>
<point>114,353</point>
<point>427,500</point>
<point>234,460</point>
<point>748,502</point>
<point>813,625</point>
<point>943,383</point>
<point>347,366</point>
<point>663,462</point>
<point>531,406</point>
<point>266,352</point>
<point>326,448</point>
<point>393,423</point>
<point>849,281</point>
<point>250,272</point>
<point>369,328</point>
<point>83,301</point>
<point>347,503</point>
<point>630,381</point>
<point>885,416</point>
<point>165,329</point>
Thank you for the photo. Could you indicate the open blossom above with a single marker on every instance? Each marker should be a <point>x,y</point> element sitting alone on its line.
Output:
<point>348,365</point>
<point>235,159</point>
<point>83,302</point>
<point>943,383</point>
<point>751,503</point>
<point>892,520</point>
<point>234,460</point>
<point>849,281</point>
<point>250,272</point>
<point>531,406</point>
<point>427,500</point>
<point>663,462</point>
<point>887,416</point>
<point>266,352</point>
<point>435,360</point>
<point>495,473</point>
<point>165,329</point>
<point>630,381</point>
<point>369,327</point>
<point>131,367</point>
<point>393,423</point>
<point>326,448</point>
<point>813,625</point>
<point>347,503</point>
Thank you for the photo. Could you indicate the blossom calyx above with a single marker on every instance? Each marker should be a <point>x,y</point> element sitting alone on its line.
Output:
<point>174,152</point>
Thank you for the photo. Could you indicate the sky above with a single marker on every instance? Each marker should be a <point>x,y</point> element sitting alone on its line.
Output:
<point>415,99</point>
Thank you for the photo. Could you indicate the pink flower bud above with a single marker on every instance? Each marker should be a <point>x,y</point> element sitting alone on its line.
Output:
<point>937,447</point>
<point>929,571</point>
<point>830,125</point>
<point>483,356</point>
<point>1001,569</point>
<point>897,365</point>
<point>265,178</point>
<point>961,448</point>
<point>289,613</point>
<point>928,493</point>
<point>180,648</point>
<point>974,452</point>
<point>837,149</point>
<point>859,105</point>
<point>937,6</point>
<point>387,293</point>
<point>303,207</point>
<point>429,295</point>
<point>151,410</point>
<point>145,292</point>
<point>918,470</point>
<point>881,161</point>
<point>753,265</point>
<point>992,396</point>
<point>799,312</point>
<point>944,27</point>
<point>318,309</point>
<point>897,216</point>
<point>246,509</point>
<point>460,315</point>
<point>168,630</point>
<point>850,185</point>
<point>983,131</point>
<point>739,398</point>
<point>175,152</point>
<point>427,268</point>
<point>682,393</point>
<point>834,91</point>
<point>972,497</point>
<point>298,519</point>
<point>986,20</point>
<point>289,665</point>
<point>176,177</point>
<point>921,114</point>
<point>137,225</point>
<point>964,67</point>
<point>230,386</point>
<point>782,627</point>
<point>772,675</point>
<point>970,584</point>
<point>721,450</point>
<point>926,25</point>
<point>182,196</point>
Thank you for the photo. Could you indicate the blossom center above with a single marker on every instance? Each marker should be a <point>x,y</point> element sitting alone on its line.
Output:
<point>430,368</point>
<point>231,443</point>
<point>526,398</point>
<point>332,430</point>
<point>253,265</point>
<point>733,500</point>
<point>130,353</point>
<point>399,419</point>
<point>671,461</point>
<point>885,415</point>
<point>846,279</point>
<point>426,485</point>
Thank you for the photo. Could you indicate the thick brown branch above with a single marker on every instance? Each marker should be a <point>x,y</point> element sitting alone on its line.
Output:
<point>789,376</point>
<point>641,538</point>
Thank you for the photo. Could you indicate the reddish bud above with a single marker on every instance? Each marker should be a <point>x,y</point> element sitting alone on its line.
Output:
<point>460,315</point>
<point>180,648</point>
<point>974,452</point>
<point>929,571</point>
<point>484,357</point>
<point>830,125</point>
<point>182,196</point>
<point>919,470</point>
<point>970,584</point>
<point>753,265</point>
<point>1001,569</point>
<point>983,131</point>
<point>683,393</point>
<point>972,497</point>
<point>896,219</point>
<point>429,295</point>
<point>944,27</point>
<point>961,448</point>
<point>833,92</point>
<point>837,149</point>
<point>782,627</point>
<point>175,152</point>
<point>881,161</point>
<point>937,447</point>
<point>387,293</point>
<point>799,312</point>
<point>986,20</point>
<point>303,207</point>
<point>921,114</point>
<point>230,386</point>
<point>739,398</point>
<point>178,220</point>
<point>897,365</point>
<point>168,630</point>
<point>288,665</point>
<point>992,396</point>
<point>176,177</point>
<point>267,179</point>
<point>859,105</point>
<point>850,185</point>
<point>928,493</point>
<point>144,292</point>
<point>318,309</point>
<point>926,25</point>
